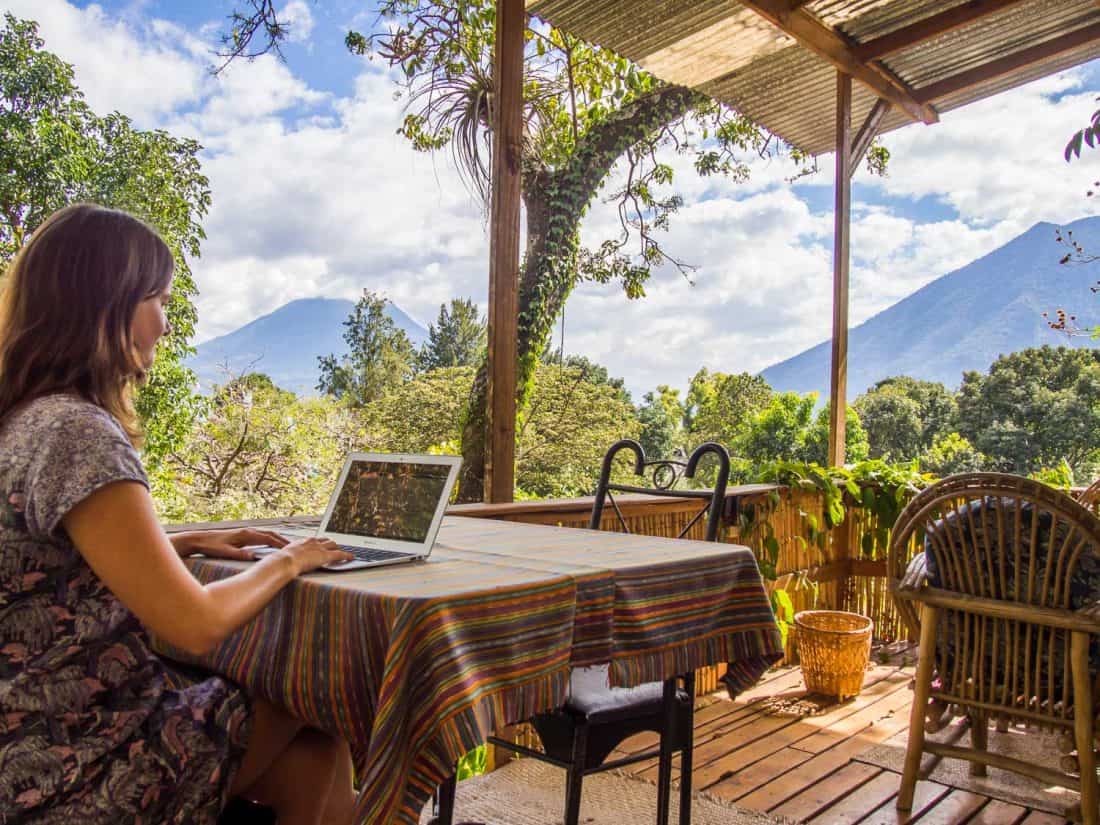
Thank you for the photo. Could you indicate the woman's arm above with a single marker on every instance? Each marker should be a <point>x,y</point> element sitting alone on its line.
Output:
<point>117,532</point>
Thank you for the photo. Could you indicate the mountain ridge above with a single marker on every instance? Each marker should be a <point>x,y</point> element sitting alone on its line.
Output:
<point>964,319</point>
<point>286,343</point>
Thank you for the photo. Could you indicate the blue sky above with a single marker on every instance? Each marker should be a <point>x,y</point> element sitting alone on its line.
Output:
<point>315,194</point>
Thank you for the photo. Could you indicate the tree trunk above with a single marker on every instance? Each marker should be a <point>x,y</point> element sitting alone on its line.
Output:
<point>555,202</point>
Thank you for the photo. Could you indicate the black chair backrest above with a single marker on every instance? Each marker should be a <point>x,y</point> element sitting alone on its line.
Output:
<point>665,473</point>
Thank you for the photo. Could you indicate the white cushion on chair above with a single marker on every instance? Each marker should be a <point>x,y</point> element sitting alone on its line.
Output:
<point>590,692</point>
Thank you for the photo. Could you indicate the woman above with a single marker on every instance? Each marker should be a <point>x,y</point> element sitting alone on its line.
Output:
<point>94,726</point>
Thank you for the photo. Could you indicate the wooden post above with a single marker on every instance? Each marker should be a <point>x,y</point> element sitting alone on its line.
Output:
<point>504,251</point>
<point>842,219</point>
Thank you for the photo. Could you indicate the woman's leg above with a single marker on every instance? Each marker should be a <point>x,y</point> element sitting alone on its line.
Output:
<point>341,799</point>
<point>288,766</point>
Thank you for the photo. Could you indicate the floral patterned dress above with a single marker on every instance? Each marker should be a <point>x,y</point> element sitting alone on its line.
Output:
<point>94,726</point>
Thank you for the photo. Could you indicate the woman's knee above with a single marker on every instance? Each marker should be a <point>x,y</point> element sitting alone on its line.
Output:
<point>273,730</point>
<point>298,782</point>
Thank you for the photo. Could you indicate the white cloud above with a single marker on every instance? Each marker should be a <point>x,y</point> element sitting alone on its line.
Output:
<point>315,194</point>
<point>299,21</point>
<point>145,73</point>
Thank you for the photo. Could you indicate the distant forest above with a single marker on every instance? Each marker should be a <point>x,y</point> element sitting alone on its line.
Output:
<point>257,449</point>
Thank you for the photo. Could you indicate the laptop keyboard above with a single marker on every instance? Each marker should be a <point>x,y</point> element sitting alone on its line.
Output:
<point>373,554</point>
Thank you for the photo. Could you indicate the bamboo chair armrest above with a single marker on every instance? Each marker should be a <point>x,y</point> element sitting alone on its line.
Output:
<point>1056,617</point>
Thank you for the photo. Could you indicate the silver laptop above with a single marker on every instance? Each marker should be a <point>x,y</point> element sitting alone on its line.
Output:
<point>387,507</point>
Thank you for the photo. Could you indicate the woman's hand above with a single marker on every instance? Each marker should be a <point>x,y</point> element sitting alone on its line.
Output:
<point>226,544</point>
<point>310,553</point>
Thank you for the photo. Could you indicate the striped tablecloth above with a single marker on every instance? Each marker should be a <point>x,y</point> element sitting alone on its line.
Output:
<point>416,664</point>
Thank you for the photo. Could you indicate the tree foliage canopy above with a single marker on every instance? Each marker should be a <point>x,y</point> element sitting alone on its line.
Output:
<point>720,406</point>
<point>904,416</point>
<point>456,339</point>
<point>55,151</point>
<point>256,451</point>
<point>661,415</point>
<point>380,355</point>
<point>567,428</point>
<point>1035,408</point>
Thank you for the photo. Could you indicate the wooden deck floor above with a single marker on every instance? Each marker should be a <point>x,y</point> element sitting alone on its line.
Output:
<point>802,767</point>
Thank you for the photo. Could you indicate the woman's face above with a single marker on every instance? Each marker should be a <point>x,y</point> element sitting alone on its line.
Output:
<point>150,324</point>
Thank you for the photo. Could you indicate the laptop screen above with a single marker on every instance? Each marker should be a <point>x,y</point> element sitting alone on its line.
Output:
<point>388,500</point>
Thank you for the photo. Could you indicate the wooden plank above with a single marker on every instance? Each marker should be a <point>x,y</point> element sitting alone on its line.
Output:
<point>958,806</point>
<point>722,715</point>
<point>820,795</point>
<point>827,43</point>
<point>1008,64</point>
<point>766,773</point>
<point>761,789</point>
<point>925,798</point>
<point>929,27</point>
<point>1042,818</point>
<point>740,756</point>
<point>719,755</point>
<point>849,726</point>
<point>776,681</point>
<point>855,805</point>
<point>997,812</point>
<point>504,229</point>
<point>842,227</point>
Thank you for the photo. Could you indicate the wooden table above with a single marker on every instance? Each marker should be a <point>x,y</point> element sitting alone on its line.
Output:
<point>416,664</point>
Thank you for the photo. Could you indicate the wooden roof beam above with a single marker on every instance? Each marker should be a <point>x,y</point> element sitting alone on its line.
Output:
<point>928,28</point>
<point>829,44</point>
<point>1010,63</point>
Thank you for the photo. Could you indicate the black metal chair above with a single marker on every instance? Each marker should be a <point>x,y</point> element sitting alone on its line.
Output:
<point>597,718</point>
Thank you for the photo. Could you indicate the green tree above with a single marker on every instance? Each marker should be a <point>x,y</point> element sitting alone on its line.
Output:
<point>590,371</point>
<point>256,451</point>
<point>565,431</point>
<point>55,150</point>
<point>1035,408</point>
<point>950,454</point>
<point>380,355</point>
<point>903,416</point>
<point>780,430</point>
<point>856,447</point>
<point>587,111</point>
<point>662,418</point>
<point>788,430</point>
<point>456,339</point>
<point>423,414</point>
<point>719,406</point>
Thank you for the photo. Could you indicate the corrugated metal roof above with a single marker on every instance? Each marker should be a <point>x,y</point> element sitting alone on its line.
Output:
<point>735,55</point>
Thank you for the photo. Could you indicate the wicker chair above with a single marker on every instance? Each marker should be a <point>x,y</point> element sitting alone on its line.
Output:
<point>1002,634</point>
<point>1090,497</point>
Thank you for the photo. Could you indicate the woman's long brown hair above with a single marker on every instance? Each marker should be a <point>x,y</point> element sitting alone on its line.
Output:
<point>67,305</point>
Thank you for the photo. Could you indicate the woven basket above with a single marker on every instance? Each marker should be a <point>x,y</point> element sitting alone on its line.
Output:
<point>834,647</point>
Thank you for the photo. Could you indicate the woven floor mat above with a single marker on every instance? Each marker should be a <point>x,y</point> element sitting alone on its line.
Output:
<point>1035,746</point>
<point>530,792</point>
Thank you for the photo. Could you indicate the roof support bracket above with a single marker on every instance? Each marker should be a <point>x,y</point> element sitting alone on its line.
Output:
<point>866,133</point>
